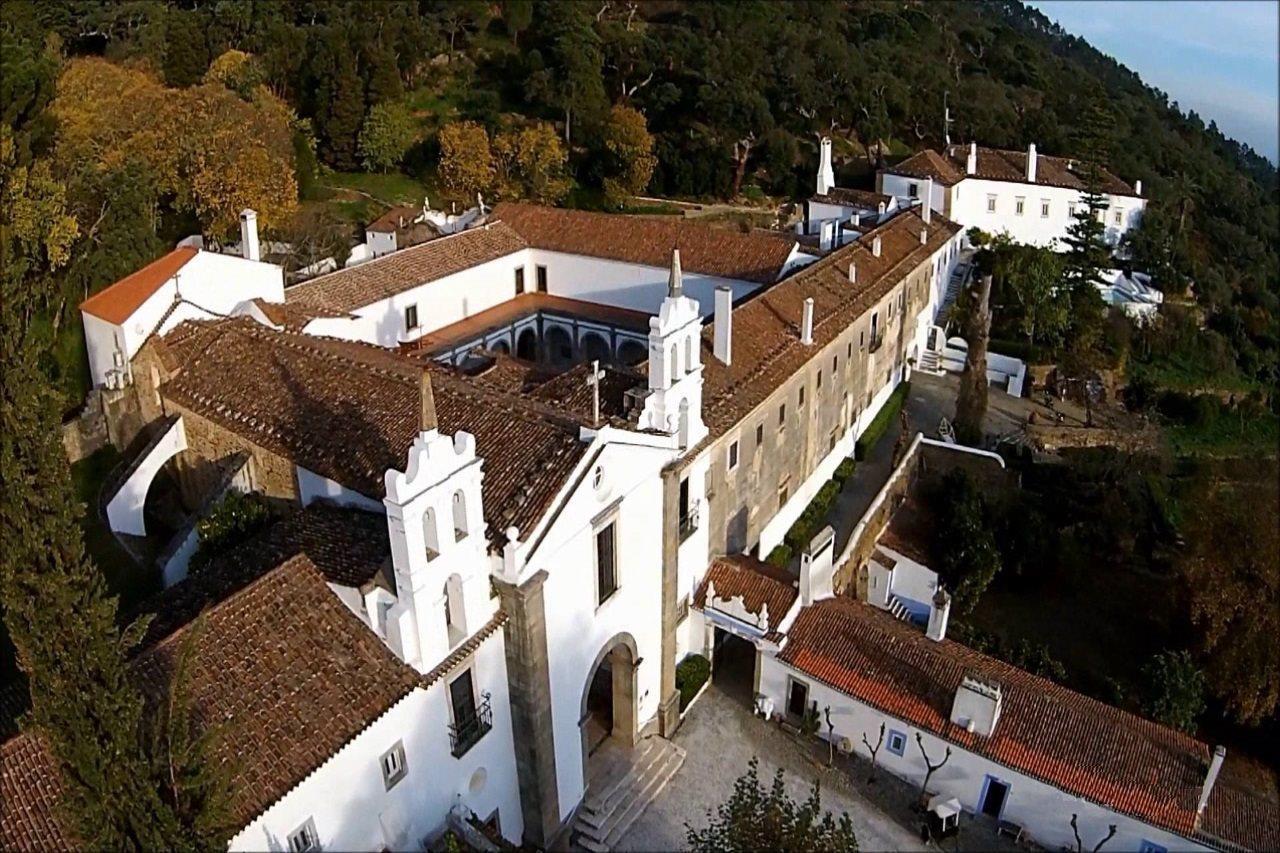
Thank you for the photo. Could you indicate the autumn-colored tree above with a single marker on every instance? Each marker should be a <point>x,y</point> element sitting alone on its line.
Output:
<point>532,163</point>
<point>1232,568</point>
<point>387,134</point>
<point>238,71</point>
<point>466,160</point>
<point>630,147</point>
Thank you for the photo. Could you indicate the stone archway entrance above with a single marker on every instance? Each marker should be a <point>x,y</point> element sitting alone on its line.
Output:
<point>609,708</point>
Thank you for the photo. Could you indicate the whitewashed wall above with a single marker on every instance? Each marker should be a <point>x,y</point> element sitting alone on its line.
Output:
<point>578,627</point>
<point>348,801</point>
<point>313,487</point>
<point>1044,811</point>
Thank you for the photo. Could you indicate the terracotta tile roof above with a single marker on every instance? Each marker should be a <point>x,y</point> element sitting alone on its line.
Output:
<point>766,327</point>
<point>1243,817</point>
<point>758,583</point>
<point>997,164</point>
<point>30,788</point>
<point>348,289</point>
<point>349,411</point>
<point>756,256</point>
<point>571,394</point>
<point>464,650</point>
<point>397,217</point>
<point>118,301</point>
<point>1067,740</point>
<point>289,674</point>
<point>868,199</point>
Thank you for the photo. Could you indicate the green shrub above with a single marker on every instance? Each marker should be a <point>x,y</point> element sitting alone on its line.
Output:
<point>844,471</point>
<point>780,555</point>
<point>691,674</point>
<point>236,518</point>
<point>879,426</point>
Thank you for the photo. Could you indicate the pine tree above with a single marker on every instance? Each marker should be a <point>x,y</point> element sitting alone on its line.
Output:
<point>1087,250</point>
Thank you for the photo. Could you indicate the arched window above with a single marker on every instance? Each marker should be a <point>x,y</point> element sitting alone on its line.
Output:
<point>459,516</point>
<point>429,535</point>
<point>675,362</point>
<point>455,615</point>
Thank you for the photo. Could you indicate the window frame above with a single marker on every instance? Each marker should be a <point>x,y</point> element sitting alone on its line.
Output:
<point>792,684</point>
<point>913,190</point>
<point>991,203</point>
<point>1019,205</point>
<point>411,311</point>
<point>1044,208</point>
<point>391,778</point>
<point>308,833</point>
<point>542,278</point>
<point>733,456</point>
<point>519,271</point>
<point>888,742</point>
<point>607,522</point>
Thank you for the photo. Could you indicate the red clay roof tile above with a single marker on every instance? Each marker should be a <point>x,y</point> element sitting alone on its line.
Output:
<point>118,301</point>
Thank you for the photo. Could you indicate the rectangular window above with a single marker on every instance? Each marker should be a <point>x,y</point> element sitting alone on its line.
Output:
<point>897,743</point>
<point>797,698</point>
<point>862,340</point>
<point>410,318</point>
<point>801,397</point>
<point>519,280</point>
<point>1044,208</point>
<point>606,567</point>
<point>991,204</point>
<point>304,837</point>
<point>688,518</point>
<point>471,719</point>
<point>1018,204</point>
<point>784,492</point>
<point>849,351</point>
<point>1119,216</point>
<point>393,767</point>
<point>913,190</point>
<point>733,455</point>
<point>819,378</point>
<point>759,435</point>
<point>782,417</point>
<point>542,279</point>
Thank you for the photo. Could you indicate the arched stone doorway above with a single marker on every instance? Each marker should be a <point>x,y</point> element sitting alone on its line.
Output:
<point>609,708</point>
<point>527,345</point>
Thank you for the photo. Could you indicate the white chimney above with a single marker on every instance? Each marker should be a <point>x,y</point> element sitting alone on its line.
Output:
<point>880,208</point>
<point>924,236</point>
<point>1215,765</point>
<point>926,206</point>
<point>875,245</point>
<point>938,615</point>
<point>249,235</point>
<point>817,568</point>
<point>1137,187</point>
<point>806,325</point>
<point>1031,163</point>
<point>723,344</point>
<point>853,273</point>
<point>826,175</point>
<point>976,707</point>
<point>971,164</point>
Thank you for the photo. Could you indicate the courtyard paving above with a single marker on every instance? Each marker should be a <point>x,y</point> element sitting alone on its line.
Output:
<point>720,736</point>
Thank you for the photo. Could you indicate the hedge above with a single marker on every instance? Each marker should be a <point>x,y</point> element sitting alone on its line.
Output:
<point>843,471</point>
<point>691,674</point>
<point>888,414</point>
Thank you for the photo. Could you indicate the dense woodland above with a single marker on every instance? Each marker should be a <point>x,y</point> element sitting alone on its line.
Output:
<point>129,125</point>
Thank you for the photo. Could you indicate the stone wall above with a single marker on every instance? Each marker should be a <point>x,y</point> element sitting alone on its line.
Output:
<point>198,469</point>
<point>741,502</point>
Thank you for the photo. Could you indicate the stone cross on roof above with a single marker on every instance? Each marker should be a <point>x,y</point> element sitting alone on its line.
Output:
<point>593,379</point>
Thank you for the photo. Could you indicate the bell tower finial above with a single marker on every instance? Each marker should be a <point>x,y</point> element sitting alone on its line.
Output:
<point>675,284</point>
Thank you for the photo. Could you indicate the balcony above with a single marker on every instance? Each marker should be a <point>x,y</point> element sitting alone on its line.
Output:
<point>689,522</point>
<point>466,733</point>
<point>877,341</point>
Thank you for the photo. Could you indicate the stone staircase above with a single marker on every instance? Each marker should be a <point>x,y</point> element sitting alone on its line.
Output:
<point>622,784</point>
<point>959,278</point>
<point>898,610</point>
<point>930,363</point>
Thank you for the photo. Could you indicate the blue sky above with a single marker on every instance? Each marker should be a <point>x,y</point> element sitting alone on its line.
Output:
<point>1215,57</point>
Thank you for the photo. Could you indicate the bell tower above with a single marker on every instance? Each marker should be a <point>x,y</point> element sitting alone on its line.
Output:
<point>674,402</point>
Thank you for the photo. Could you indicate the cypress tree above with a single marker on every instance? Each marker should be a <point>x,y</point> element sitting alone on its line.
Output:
<point>339,95</point>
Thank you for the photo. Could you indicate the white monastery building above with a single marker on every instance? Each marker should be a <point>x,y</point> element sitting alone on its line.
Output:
<point>523,471</point>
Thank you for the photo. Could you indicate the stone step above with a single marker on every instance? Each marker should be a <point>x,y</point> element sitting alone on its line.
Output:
<point>599,831</point>
<point>606,786</point>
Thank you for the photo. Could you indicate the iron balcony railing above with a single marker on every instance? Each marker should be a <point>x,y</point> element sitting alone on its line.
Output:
<point>689,522</point>
<point>466,733</point>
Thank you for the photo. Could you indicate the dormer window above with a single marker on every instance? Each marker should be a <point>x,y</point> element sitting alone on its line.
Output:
<point>459,516</point>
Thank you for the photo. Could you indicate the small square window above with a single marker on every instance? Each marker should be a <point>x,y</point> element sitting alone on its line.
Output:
<point>733,455</point>
<point>991,204</point>
<point>897,743</point>
<point>411,318</point>
<point>393,766</point>
<point>1018,205</point>
<point>304,837</point>
<point>1119,216</point>
<point>1044,208</point>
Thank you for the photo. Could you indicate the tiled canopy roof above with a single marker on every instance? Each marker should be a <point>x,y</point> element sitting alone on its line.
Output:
<point>758,583</point>
<point>756,256</point>
<point>350,411</point>
<point>118,301</point>
<point>381,278</point>
<point>994,164</point>
<point>1046,731</point>
<point>766,328</point>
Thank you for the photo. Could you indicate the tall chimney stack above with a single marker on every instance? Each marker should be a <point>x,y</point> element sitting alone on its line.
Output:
<point>249,235</point>
<point>938,615</point>
<point>806,324</point>
<point>826,174</point>
<point>1215,765</point>
<point>875,245</point>
<point>1031,163</point>
<point>1137,187</point>
<point>924,236</point>
<point>723,343</point>
<point>926,206</point>
<point>853,273</point>
<point>971,163</point>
